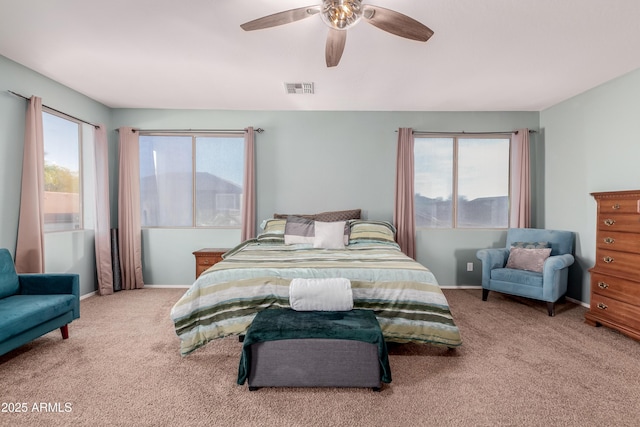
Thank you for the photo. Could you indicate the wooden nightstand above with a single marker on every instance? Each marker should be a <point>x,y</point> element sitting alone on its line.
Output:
<point>207,257</point>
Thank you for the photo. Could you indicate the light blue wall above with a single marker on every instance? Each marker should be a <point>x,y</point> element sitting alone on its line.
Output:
<point>70,252</point>
<point>316,161</point>
<point>590,145</point>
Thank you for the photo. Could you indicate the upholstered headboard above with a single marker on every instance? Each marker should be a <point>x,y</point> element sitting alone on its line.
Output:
<point>331,216</point>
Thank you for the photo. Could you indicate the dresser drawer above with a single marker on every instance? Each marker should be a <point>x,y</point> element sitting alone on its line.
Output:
<point>619,206</point>
<point>622,264</point>
<point>609,309</point>
<point>613,287</point>
<point>615,278</point>
<point>613,240</point>
<point>629,223</point>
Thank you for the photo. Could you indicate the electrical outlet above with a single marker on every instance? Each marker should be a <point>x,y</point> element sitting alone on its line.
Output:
<point>469,266</point>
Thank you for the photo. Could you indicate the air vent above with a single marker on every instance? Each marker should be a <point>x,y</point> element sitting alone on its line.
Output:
<point>298,88</point>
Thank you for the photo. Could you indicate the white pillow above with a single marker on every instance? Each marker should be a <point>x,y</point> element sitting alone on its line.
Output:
<point>329,235</point>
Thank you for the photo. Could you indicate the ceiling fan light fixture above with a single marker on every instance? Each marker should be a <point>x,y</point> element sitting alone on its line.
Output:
<point>341,14</point>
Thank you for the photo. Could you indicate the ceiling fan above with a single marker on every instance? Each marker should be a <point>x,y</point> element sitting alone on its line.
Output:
<point>341,15</point>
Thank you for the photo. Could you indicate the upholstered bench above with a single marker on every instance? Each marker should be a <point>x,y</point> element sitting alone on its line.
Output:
<point>287,348</point>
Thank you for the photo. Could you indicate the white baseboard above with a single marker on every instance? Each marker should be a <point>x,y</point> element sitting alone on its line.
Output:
<point>90,294</point>
<point>575,301</point>
<point>168,286</point>
<point>460,286</point>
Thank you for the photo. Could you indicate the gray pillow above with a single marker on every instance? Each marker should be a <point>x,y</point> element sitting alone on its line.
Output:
<point>299,230</point>
<point>528,259</point>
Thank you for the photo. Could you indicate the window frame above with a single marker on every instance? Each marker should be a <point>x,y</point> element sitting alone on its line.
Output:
<point>455,176</point>
<point>78,123</point>
<point>194,136</point>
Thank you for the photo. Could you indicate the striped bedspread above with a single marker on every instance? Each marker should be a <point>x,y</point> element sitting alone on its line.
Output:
<point>403,294</point>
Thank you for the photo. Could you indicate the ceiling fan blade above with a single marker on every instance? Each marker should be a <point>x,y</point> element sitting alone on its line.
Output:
<point>336,40</point>
<point>396,23</point>
<point>281,18</point>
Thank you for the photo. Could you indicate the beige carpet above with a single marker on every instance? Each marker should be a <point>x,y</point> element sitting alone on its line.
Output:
<point>517,366</point>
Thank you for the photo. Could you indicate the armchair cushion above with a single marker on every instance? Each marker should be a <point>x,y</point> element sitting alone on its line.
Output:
<point>528,278</point>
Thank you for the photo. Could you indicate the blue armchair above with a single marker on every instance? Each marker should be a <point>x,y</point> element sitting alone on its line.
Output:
<point>548,285</point>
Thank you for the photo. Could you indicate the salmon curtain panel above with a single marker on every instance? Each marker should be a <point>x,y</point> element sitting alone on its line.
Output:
<point>30,245</point>
<point>520,216</point>
<point>104,267</point>
<point>129,227</point>
<point>248,186</point>
<point>404,215</point>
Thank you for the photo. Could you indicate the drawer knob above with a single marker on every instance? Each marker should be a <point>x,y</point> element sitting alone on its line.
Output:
<point>616,206</point>
<point>205,262</point>
<point>609,240</point>
<point>607,259</point>
<point>602,306</point>
<point>609,222</point>
<point>603,285</point>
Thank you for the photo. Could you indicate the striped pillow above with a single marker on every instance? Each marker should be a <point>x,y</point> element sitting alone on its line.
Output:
<point>364,231</point>
<point>273,231</point>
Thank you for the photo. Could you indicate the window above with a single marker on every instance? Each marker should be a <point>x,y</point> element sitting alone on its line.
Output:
<point>62,183</point>
<point>462,182</point>
<point>191,180</point>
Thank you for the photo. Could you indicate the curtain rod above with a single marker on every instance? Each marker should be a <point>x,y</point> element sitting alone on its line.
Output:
<point>505,132</point>
<point>258,130</point>
<point>57,111</point>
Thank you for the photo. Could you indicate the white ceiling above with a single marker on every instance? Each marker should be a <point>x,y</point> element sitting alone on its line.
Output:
<point>486,55</point>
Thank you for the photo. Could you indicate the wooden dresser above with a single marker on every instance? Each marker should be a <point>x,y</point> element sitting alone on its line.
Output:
<point>207,257</point>
<point>615,278</point>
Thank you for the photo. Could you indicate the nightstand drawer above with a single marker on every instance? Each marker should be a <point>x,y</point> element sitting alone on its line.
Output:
<point>205,258</point>
<point>208,261</point>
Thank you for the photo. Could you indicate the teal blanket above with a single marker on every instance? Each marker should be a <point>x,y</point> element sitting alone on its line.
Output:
<point>284,324</point>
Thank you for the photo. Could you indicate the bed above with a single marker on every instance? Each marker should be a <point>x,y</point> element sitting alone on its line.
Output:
<point>254,276</point>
